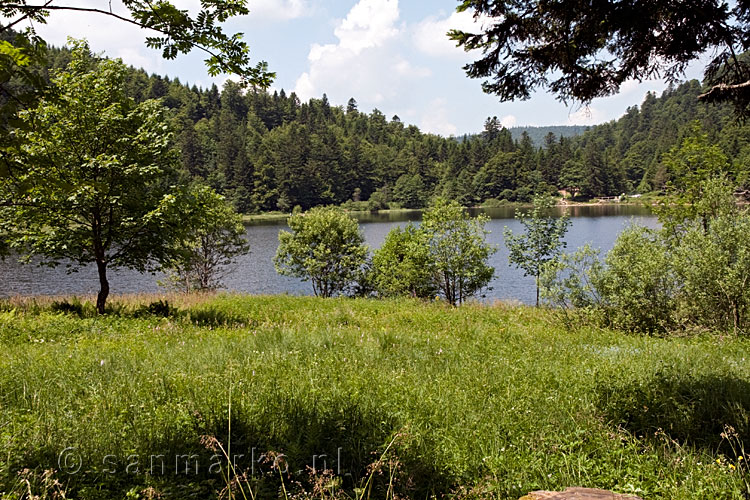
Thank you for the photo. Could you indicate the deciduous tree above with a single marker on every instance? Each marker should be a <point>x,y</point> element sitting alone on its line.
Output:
<point>402,265</point>
<point>541,241</point>
<point>325,246</point>
<point>91,180</point>
<point>173,31</point>
<point>213,239</point>
<point>458,250</point>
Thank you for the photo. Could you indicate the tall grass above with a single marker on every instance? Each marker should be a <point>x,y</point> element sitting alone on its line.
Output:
<point>344,398</point>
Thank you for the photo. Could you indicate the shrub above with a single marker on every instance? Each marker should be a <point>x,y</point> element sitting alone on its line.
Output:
<point>215,237</point>
<point>569,282</point>
<point>713,266</point>
<point>379,199</point>
<point>325,246</point>
<point>493,203</point>
<point>401,266</point>
<point>356,206</point>
<point>638,285</point>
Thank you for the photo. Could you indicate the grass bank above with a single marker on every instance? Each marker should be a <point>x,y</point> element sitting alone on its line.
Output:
<point>394,396</point>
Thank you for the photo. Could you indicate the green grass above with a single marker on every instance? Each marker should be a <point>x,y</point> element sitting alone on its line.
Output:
<point>479,401</point>
<point>268,216</point>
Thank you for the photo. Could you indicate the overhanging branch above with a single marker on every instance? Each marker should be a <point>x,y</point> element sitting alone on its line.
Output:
<point>46,6</point>
<point>724,91</point>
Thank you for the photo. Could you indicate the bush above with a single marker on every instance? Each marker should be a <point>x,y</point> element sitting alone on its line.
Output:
<point>401,266</point>
<point>380,198</point>
<point>215,237</point>
<point>713,266</point>
<point>638,284</point>
<point>569,282</point>
<point>325,246</point>
<point>356,206</point>
<point>493,203</point>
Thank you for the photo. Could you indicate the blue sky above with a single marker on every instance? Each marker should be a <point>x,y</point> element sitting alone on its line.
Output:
<point>388,54</point>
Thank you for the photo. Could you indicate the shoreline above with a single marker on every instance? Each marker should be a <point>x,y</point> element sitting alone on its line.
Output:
<point>277,216</point>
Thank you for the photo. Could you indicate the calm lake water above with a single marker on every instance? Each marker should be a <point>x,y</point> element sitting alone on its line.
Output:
<point>254,273</point>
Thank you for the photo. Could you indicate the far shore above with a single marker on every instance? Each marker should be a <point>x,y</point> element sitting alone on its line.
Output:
<point>279,216</point>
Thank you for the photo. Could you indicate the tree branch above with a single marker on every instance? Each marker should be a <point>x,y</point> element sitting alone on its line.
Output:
<point>46,6</point>
<point>31,9</point>
<point>723,91</point>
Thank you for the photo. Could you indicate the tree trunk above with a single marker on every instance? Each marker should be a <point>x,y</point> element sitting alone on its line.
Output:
<point>736,318</point>
<point>101,299</point>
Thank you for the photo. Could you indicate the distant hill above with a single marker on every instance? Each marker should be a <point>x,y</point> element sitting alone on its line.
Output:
<point>271,151</point>
<point>537,134</point>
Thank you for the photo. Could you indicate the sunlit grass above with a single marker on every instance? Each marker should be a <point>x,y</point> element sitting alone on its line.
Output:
<point>484,401</point>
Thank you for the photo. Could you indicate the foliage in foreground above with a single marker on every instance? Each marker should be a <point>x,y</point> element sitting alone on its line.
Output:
<point>92,178</point>
<point>691,274</point>
<point>480,401</point>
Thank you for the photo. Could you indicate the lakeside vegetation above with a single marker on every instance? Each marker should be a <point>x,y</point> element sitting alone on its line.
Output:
<point>632,383</point>
<point>481,401</point>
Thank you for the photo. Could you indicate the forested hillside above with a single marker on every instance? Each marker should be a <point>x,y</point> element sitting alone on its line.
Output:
<point>270,151</point>
<point>538,134</point>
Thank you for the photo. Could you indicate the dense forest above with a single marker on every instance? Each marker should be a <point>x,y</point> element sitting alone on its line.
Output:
<point>270,151</point>
<point>537,134</point>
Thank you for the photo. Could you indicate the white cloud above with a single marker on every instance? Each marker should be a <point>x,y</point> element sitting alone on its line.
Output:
<point>435,118</point>
<point>508,121</point>
<point>279,9</point>
<point>430,36</point>
<point>587,115</point>
<point>365,63</point>
<point>629,86</point>
<point>370,23</point>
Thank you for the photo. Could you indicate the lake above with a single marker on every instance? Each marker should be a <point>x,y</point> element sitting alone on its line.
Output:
<point>254,273</point>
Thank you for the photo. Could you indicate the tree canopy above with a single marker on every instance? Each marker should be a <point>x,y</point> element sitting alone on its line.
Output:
<point>174,31</point>
<point>581,50</point>
<point>268,151</point>
<point>458,252</point>
<point>325,246</point>
<point>541,241</point>
<point>92,178</point>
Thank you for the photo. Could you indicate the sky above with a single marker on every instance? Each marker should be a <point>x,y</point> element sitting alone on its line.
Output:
<point>392,55</point>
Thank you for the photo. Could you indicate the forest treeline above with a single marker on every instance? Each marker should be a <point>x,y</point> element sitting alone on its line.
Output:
<point>271,151</point>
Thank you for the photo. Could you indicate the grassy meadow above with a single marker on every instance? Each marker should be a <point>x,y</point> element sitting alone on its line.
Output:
<point>405,399</point>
